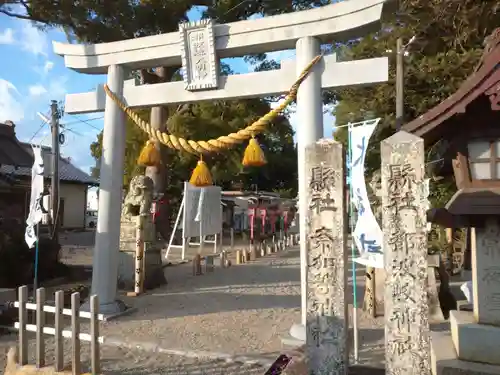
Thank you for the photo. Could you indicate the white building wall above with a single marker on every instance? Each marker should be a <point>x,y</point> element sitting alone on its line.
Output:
<point>74,196</point>
<point>92,199</point>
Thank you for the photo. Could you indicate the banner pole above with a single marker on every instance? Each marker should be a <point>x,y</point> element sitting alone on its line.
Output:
<point>35,276</point>
<point>351,222</point>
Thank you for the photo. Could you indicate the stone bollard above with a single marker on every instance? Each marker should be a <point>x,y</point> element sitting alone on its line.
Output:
<point>247,255</point>
<point>253,253</point>
<point>223,259</point>
<point>209,263</point>
<point>269,249</point>
<point>239,257</point>
<point>262,249</point>
<point>197,265</point>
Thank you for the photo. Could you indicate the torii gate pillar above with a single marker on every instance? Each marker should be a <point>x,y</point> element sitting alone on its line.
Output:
<point>105,262</point>
<point>309,130</point>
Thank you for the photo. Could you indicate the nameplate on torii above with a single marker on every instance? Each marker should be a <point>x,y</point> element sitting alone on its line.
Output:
<point>199,61</point>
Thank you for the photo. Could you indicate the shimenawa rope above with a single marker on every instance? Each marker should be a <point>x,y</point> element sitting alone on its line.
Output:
<point>223,142</point>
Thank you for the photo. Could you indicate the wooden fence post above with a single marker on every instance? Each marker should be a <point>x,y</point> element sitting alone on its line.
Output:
<point>40,324</point>
<point>23,320</point>
<point>57,331</point>
<point>75,336</point>
<point>58,327</point>
<point>94,335</point>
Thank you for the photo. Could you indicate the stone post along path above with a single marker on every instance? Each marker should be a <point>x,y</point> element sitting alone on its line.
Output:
<point>405,242</point>
<point>326,323</point>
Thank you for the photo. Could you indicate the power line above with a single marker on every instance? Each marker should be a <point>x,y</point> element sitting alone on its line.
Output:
<point>86,122</point>
<point>39,129</point>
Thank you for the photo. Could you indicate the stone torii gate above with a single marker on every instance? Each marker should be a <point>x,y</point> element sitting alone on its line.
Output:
<point>198,48</point>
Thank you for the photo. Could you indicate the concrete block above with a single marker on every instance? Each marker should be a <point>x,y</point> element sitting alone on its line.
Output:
<point>209,263</point>
<point>444,359</point>
<point>472,341</point>
<point>253,253</point>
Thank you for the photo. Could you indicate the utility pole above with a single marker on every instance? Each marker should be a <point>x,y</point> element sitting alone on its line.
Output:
<point>400,54</point>
<point>54,124</point>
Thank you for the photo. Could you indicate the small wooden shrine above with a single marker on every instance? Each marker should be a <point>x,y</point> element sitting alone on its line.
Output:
<point>468,122</point>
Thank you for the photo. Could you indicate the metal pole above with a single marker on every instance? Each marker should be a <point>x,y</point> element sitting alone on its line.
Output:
<point>55,170</point>
<point>353,251</point>
<point>400,51</point>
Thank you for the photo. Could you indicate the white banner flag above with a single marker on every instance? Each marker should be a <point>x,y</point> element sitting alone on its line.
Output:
<point>367,234</point>
<point>36,213</point>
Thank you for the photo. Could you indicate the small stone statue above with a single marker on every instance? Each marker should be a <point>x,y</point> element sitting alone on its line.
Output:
<point>139,197</point>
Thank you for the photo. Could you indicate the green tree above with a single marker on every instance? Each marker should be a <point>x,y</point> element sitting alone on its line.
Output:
<point>449,42</point>
<point>91,21</point>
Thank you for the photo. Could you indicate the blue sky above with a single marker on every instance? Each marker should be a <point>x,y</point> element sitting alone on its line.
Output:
<point>31,76</point>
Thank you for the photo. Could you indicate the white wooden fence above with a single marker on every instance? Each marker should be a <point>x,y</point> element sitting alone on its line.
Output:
<point>57,331</point>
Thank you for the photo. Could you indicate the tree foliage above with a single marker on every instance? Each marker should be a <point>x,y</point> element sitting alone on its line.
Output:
<point>449,42</point>
<point>93,21</point>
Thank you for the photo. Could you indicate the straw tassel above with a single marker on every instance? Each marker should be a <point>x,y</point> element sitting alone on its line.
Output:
<point>201,175</point>
<point>253,156</point>
<point>150,155</point>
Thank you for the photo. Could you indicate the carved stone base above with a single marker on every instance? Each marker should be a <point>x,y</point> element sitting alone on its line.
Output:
<point>472,341</point>
<point>444,360</point>
<point>153,273</point>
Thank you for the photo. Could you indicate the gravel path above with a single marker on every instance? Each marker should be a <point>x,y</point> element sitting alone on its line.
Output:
<point>242,311</point>
<point>115,361</point>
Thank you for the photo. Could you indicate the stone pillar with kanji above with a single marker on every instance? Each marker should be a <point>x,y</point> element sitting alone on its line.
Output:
<point>326,323</point>
<point>404,201</point>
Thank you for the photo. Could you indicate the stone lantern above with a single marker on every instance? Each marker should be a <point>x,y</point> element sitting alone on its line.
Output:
<point>469,122</point>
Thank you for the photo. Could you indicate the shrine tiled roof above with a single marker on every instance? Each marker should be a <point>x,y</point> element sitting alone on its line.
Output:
<point>67,171</point>
<point>12,151</point>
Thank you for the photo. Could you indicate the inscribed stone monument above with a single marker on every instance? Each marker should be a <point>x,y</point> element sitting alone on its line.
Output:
<point>405,240</point>
<point>476,336</point>
<point>326,324</point>
<point>486,273</point>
